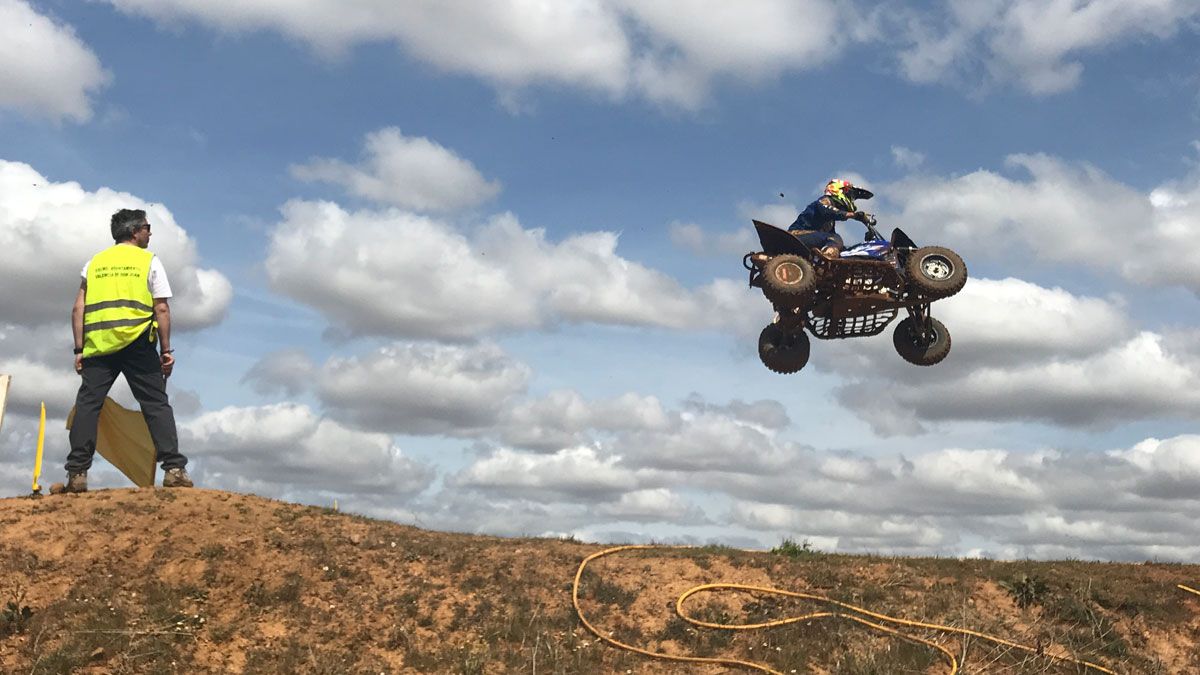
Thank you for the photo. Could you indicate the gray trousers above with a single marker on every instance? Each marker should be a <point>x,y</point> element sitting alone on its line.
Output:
<point>140,365</point>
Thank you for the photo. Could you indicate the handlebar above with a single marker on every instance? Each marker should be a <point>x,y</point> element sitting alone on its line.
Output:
<point>872,233</point>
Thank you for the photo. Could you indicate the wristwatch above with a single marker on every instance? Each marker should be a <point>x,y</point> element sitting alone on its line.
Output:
<point>78,350</point>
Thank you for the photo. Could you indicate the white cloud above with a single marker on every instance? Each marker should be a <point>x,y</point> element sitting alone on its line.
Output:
<point>423,388</point>
<point>906,158</point>
<point>1129,504</point>
<point>287,371</point>
<point>664,50</point>
<point>287,444</point>
<point>751,41</point>
<point>658,504</point>
<point>1011,321</point>
<point>1022,353</point>
<point>692,237</point>
<point>709,440</point>
<point>1036,44</point>
<point>49,230</point>
<point>1063,213</point>
<point>35,383</point>
<point>439,284</point>
<point>581,472</point>
<point>45,69</point>
<point>511,43</point>
<point>1123,505</point>
<point>563,419</point>
<point>405,171</point>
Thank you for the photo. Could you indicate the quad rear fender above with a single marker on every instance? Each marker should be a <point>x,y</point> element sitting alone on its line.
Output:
<point>776,241</point>
<point>901,240</point>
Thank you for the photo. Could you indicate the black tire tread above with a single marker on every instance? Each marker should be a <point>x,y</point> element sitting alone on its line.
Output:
<point>916,354</point>
<point>782,351</point>
<point>791,293</point>
<point>928,287</point>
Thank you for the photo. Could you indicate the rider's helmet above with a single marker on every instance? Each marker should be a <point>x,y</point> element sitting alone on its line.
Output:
<point>843,193</point>
<point>840,192</point>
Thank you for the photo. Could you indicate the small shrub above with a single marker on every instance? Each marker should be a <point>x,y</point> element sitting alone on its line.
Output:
<point>15,615</point>
<point>789,547</point>
<point>1026,590</point>
<point>212,551</point>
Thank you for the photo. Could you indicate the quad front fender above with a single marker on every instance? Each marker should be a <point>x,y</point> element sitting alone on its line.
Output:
<point>901,240</point>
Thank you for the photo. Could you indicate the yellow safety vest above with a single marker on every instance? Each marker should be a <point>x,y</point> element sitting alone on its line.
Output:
<point>117,305</point>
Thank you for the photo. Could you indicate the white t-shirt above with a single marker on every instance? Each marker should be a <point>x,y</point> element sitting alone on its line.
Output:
<point>158,284</point>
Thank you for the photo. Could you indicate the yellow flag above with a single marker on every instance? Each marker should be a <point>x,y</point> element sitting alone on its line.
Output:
<point>4,380</point>
<point>123,438</point>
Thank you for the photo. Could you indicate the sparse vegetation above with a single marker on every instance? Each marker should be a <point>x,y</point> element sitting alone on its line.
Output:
<point>791,549</point>
<point>15,615</point>
<point>213,582</point>
<point>1026,590</point>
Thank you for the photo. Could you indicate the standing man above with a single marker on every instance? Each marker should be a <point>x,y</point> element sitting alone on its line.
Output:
<point>120,314</point>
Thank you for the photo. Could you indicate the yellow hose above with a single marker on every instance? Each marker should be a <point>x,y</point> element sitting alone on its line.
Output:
<point>950,659</point>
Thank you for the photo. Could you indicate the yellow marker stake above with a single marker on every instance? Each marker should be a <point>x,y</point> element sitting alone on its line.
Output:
<point>37,463</point>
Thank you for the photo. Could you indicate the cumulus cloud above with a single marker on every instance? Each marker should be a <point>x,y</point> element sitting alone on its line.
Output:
<point>751,41</point>
<point>512,43</point>
<point>1023,353</point>
<point>906,158</point>
<point>1060,213</point>
<point>1131,504</point>
<point>288,445</point>
<point>662,50</point>
<point>1036,44</point>
<point>48,231</point>
<point>287,371</point>
<point>405,171</point>
<point>423,388</point>
<point>564,418</point>
<point>700,438</point>
<point>658,504</point>
<point>440,284</point>
<point>696,239</point>
<point>45,69</point>
<point>1125,504</point>
<point>582,473</point>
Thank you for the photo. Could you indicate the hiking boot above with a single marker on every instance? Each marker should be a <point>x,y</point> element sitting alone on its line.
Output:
<point>76,482</point>
<point>176,478</point>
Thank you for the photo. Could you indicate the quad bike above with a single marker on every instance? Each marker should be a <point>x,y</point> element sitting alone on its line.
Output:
<point>856,294</point>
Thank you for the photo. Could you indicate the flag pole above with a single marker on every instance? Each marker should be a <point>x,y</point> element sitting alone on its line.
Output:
<point>37,463</point>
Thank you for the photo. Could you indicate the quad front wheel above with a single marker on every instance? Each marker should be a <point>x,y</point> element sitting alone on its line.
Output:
<point>788,278</point>
<point>783,351</point>
<point>935,272</point>
<point>921,349</point>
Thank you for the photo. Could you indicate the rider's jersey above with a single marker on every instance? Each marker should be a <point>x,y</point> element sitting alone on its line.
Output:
<point>820,215</point>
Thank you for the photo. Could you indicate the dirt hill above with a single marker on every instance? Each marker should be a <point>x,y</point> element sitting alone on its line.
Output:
<point>153,581</point>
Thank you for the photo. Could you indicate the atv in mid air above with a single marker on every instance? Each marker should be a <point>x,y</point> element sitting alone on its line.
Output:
<point>854,295</point>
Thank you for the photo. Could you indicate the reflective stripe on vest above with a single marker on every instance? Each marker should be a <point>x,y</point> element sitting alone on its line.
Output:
<point>117,304</point>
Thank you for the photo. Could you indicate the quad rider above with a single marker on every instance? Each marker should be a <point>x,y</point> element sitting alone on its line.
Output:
<point>815,225</point>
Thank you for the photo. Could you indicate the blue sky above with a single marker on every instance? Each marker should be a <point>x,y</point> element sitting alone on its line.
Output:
<point>478,266</point>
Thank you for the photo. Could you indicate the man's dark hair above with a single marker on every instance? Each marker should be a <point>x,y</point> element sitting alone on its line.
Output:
<point>126,222</point>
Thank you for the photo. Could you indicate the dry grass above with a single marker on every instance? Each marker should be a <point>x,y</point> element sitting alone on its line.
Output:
<point>129,581</point>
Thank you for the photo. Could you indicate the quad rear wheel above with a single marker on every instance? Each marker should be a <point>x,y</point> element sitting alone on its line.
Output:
<point>788,279</point>
<point>935,272</point>
<point>917,348</point>
<point>783,351</point>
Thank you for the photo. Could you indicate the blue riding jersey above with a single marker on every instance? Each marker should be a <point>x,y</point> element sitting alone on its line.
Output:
<point>821,215</point>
